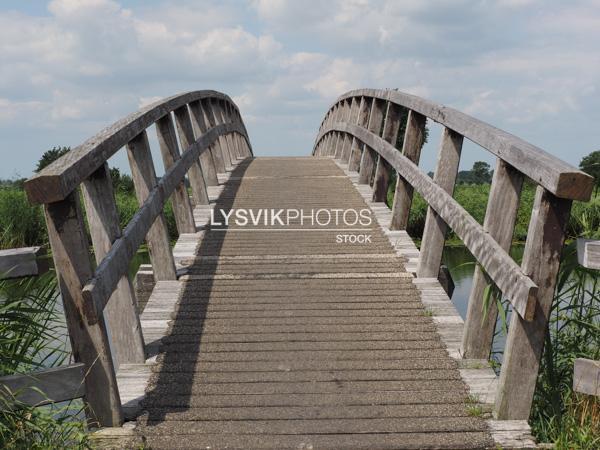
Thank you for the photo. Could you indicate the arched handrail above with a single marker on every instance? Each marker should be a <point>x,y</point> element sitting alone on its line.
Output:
<point>100,307</point>
<point>361,129</point>
<point>555,175</point>
<point>60,178</point>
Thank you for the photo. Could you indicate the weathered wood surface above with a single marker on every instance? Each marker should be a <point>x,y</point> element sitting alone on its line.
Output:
<point>116,263</point>
<point>588,253</point>
<point>23,262</point>
<point>127,343</point>
<point>499,222</point>
<point>60,178</point>
<point>525,341</point>
<point>586,376</point>
<point>507,275</point>
<point>45,386</point>
<point>281,338</point>
<point>434,232</point>
<point>89,341</point>
<point>558,177</point>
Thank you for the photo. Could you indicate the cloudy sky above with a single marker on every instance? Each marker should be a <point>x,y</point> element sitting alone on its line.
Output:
<point>70,67</point>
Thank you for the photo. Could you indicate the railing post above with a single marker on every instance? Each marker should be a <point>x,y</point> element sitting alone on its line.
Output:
<point>231,142</point>
<point>499,222</point>
<point>343,137</point>
<point>414,137</point>
<point>89,343</point>
<point>207,161</point>
<point>362,121</point>
<point>120,313</point>
<point>169,149</point>
<point>434,234</point>
<point>367,164</point>
<point>144,180</point>
<point>221,154</point>
<point>383,171</point>
<point>186,138</point>
<point>352,118</point>
<point>525,341</point>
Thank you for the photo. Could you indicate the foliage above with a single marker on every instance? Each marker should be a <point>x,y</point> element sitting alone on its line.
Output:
<point>32,337</point>
<point>121,181</point>
<point>127,206</point>
<point>49,156</point>
<point>591,165</point>
<point>21,224</point>
<point>479,174</point>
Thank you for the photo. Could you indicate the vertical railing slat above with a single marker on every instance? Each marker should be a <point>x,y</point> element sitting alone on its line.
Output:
<point>434,234</point>
<point>89,343</point>
<point>199,125</point>
<point>383,171</point>
<point>169,149</point>
<point>367,164</point>
<point>120,313</point>
<point>499,222</point>
<point>525,341</point>
<point>144,180</point>
<point>362,121</point>
<point>186,138</point>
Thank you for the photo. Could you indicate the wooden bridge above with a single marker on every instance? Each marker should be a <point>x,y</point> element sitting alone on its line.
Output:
<point>307,332</point>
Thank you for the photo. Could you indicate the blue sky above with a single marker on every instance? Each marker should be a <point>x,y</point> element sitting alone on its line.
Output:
<point>71,67</point>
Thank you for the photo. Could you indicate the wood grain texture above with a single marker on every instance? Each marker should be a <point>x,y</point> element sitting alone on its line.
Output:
<point>195,174</point>
<point>525,341</point>
<point>499,222</point>
<point>56,385</point>
<point>434,233</point>
<point>169,149</point>
<point>60,178</point>
<point>558,177</point>
<point>22,262</point>
<point>507,275</point>
<point>120,313</point>
<point>414,136</point>
<point>588,253</point>
<point>202,121</point>
<point>383,171</point>
<point>89,342</point>
<point>144,180</point>
<point>586,376</point>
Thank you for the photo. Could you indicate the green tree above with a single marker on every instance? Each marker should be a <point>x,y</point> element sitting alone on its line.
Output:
<point>49,156</point>
<point>590,164</point>
<point>481,172</point>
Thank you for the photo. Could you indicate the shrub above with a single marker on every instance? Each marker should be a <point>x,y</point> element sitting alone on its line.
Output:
<point>21,224</point>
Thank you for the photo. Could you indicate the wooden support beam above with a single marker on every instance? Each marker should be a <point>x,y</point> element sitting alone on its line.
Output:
<point>383,171</point>
<point>186,137</point>
<point>169,149</point>
<point>362,120</point>
<point>200,127</point>
<point>367,165</point>
<point>120,313</point>
<point>144,180</point>
<point>414,136</point>
<point>47,386</point>
<point>499,222</point>
<point>353,117</point>
<point>434,234</point>
<point>588,253</point>
<point>525,339</point>
<point>586,376</point>
<point>223,155</point>
<point>23,262</point>
<point>89,342</point>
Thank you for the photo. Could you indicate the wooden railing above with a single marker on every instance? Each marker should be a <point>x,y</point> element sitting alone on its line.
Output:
<point>361,129</point>
<point>99,302</point>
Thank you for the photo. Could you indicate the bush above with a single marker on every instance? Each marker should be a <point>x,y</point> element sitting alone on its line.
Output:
<point>21,224</point>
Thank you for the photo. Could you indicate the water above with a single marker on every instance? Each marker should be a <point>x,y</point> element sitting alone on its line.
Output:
<point>461,264</point>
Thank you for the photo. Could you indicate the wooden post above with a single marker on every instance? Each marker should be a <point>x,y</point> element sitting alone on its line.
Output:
<point>383,171</point>
<point>499,222</point>
<point>206,159</point>
<point>120,313</point>
<point>232,144</point>
<point>144,180</point>
<point>352,118</point>
<point>525,341</point>
<point>434,233</point>
<point>169,149</point>
<point>362,121</point>
<point>186,138</point>
<point>223,155</point>
<point>411,148</point>
<point>89,343</point>
<point>343,137</point>
<point>367,165</point>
